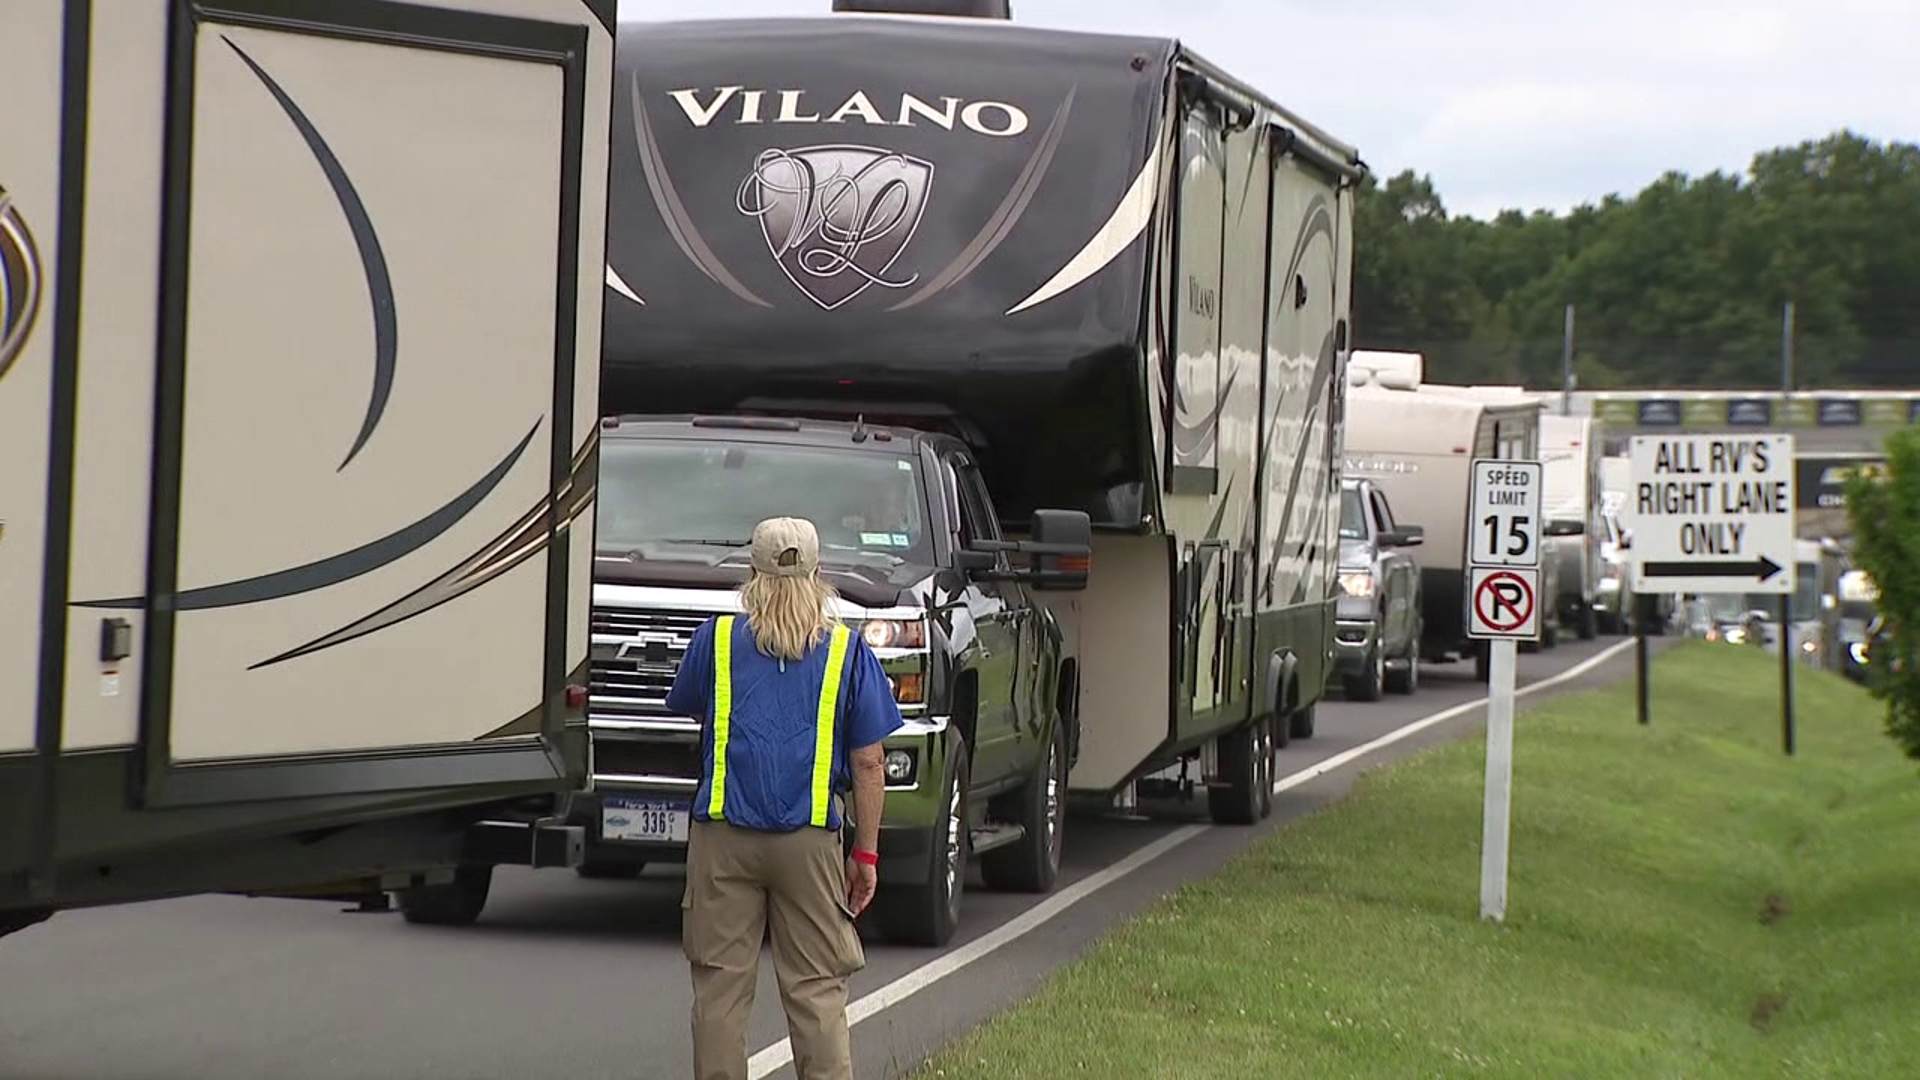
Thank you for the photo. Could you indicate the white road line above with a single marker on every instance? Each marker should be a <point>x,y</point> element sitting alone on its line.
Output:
<point>780,1054</point>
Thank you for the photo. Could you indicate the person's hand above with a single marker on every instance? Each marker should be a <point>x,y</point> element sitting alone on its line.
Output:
<point>861,880</point>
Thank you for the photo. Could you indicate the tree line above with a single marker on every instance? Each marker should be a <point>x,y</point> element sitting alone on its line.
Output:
<point>1681,285</point>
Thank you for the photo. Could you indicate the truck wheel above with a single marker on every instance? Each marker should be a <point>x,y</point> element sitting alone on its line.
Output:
<point>1588,626</point>
<point>927,914</point>
<point>609,871</point>
<point>1366,685</point>
<point>1246,774</point>
<point>1549,635</point>
<point>1406,680</point>
<point>1482,662</point>
<point>457,903</point>
<point>1033,864</point>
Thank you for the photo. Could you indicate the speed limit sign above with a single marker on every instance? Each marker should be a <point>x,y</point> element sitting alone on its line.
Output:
<point>1506,513</point>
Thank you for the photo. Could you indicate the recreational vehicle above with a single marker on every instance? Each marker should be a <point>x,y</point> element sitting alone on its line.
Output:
<point>1416,442</point>
<point>296,462</point>
<point>1575,526</point>
<point>1065,292</point>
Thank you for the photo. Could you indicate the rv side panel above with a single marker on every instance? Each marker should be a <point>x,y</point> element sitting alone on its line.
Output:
<point>112,462</point>
<point>34,238</point>
<point>1122,631</point>
<point>1301,481</point>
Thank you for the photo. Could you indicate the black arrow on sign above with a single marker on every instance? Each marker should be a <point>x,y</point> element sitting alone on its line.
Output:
<point>1760,569</point>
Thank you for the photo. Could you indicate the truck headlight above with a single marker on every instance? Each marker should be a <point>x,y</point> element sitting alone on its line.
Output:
<point>1356,584</point>
<point>1858,650</point>
<point>894,633</point>
<point>899,766</point>
<point>1809,646</point>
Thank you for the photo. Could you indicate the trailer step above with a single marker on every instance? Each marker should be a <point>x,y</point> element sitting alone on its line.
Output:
<point>989,837</point>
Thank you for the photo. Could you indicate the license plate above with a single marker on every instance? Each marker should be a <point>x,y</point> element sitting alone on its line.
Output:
<point>661,821</point>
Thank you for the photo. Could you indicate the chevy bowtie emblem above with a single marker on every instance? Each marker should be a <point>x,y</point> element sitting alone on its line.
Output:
<point>19,282</point>
<point>835,218</point>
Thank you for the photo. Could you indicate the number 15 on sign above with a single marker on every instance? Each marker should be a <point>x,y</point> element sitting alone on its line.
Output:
<point>1506,513</point>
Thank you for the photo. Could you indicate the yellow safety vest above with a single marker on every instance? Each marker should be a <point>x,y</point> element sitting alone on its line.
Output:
<point>823,719</point>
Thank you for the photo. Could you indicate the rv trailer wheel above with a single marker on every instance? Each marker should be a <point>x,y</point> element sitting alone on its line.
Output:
<point>1300,725</point>
<point>457,903</point>
<point>1245,756</point>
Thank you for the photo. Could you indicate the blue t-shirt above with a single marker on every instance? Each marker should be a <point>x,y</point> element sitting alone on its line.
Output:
<point>771,731</point>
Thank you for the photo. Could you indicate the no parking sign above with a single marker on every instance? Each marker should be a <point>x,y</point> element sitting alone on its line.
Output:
<point>1505,603</point>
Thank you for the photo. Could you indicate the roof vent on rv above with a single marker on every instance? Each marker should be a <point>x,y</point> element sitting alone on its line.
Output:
<point>978,9</point>
<point>1394,370</point>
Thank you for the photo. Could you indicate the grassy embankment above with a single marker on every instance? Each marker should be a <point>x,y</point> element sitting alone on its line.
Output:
<point>1685,901</point>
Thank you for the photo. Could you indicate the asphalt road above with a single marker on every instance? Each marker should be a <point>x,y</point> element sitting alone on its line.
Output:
<point>581,979</point>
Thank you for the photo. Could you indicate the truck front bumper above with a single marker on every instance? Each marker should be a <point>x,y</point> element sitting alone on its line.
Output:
<point>1354,642</point>
<point>916,755</point>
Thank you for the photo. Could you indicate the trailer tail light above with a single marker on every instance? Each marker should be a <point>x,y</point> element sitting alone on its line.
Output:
<point>576,696</point>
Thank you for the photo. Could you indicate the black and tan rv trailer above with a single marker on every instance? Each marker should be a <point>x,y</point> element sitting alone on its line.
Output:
<point>298,377</point>
<point>1119,274</point>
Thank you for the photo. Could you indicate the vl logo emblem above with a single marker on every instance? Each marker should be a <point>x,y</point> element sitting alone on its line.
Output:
<point>836,217</point>
<point>19,282</point>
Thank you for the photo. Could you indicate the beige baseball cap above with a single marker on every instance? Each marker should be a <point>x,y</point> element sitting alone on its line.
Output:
<point>786,547</point>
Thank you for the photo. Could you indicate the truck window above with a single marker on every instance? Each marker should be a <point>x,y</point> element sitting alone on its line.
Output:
<point>1353,515</point>
<point>1382,516</point>
<point>670,498</point>
<point>977,521</point>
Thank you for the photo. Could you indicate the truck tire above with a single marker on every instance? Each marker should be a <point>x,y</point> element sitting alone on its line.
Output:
<point>1033,864</point>
<point>457,903</point>
<point>1482,662</point>
<point>1245,791</point>
<point>1588,625</point>
<point>1365,685</point>
<point>927,914</point>
<point>1406,680</point>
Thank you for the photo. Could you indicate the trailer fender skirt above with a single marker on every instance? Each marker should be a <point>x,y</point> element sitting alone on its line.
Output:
<point>525,843</point>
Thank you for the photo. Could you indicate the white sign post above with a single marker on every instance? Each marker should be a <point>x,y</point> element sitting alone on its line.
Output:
<point>1503,609</point>
<point>1714,514</point>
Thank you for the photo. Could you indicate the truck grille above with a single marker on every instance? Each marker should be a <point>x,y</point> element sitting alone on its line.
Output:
<point>635,654</point>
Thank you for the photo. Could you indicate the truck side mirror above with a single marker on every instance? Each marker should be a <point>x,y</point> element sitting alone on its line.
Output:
<point>1404,537</point>
<point>1564,527</point>
<point>1061,549</point>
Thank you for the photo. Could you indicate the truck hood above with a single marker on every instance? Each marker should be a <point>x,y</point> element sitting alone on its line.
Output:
<point>868,582</point>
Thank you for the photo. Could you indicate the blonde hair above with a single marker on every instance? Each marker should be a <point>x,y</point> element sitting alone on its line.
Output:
<point>789,615</point>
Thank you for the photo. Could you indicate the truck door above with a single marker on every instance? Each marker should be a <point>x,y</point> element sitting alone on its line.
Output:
<point>335,531</point>
<point>998,618</point>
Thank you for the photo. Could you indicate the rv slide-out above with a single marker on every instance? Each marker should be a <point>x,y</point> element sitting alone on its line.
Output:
<point>299,338</point>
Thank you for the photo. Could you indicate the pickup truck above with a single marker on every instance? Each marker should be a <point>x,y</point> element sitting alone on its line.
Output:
<point>1377,622</point>
<point>910,540</point>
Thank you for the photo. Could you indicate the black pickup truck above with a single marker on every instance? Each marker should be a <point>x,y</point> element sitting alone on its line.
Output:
<point>1377,623</point>
<point>910,540</point>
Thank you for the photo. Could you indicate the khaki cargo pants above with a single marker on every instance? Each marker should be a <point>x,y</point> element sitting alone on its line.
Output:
<point>744,886</point>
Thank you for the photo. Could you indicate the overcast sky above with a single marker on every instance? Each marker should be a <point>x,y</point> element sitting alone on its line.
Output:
<point>1528,103</point>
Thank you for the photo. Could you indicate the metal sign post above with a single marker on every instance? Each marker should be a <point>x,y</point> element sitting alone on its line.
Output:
<point>1503,609</point>
<point>1713,515</point>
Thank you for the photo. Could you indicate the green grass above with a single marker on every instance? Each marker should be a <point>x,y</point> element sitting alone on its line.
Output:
<point>1685,901</point>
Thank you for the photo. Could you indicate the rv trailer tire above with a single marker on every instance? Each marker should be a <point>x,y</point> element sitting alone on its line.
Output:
<point>1301,723</point>
<point>457,903</point>
<point>1243,794</point>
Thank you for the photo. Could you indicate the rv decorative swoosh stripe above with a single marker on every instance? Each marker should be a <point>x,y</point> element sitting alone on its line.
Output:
<point>1007,215</point>
<point>673,212</point>
<point>373,262</point>
<point>1128,220</point>
<point>521,541</point>
<point>338,568</point>
<point>1193,440</point>
<point>19,282</point>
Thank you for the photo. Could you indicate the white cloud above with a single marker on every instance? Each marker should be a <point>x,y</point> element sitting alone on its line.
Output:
<point>1529,103</point>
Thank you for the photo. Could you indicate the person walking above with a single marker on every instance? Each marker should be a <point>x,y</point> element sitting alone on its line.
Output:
<point>793,708</point>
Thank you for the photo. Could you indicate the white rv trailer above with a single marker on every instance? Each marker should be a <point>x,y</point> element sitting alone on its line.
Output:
<point>1576,524</point>
<point>299,343</point>
<point>1417,441</point>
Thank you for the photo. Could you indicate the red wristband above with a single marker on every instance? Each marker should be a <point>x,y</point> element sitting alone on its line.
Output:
<point>869,858</point>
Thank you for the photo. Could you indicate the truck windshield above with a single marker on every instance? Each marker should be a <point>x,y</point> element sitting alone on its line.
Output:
<point>700,493</point>
<point>1353,521</point>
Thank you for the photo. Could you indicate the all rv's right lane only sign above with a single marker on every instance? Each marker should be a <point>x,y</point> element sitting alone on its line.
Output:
<point>1711,513</point>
